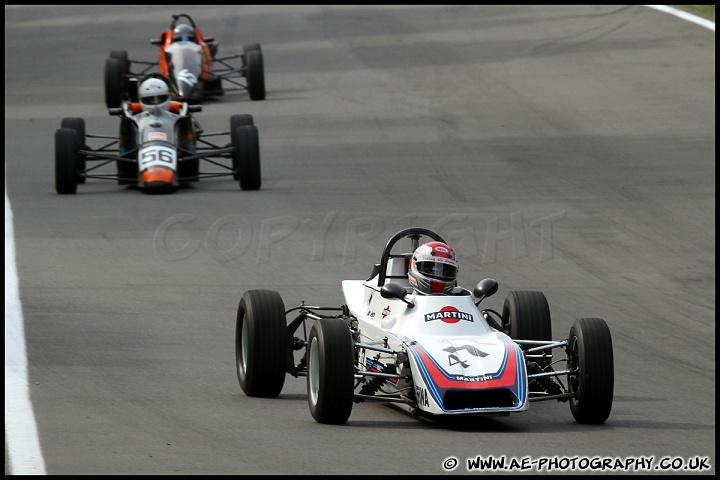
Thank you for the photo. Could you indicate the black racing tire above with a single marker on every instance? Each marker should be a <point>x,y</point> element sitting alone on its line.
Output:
<point>251,46</point>
<point>239,120</point>
<point>255,74</point>
<point>123,59</point>
<point>125,65</point>
<point>66,160</point>
<point>246,156</point>
<point>213,88</point>
<point>330,371</point>
<point>261,343</point>
<point>127,172</point>
<point>113,83</point>
<point>526,316</point>
<point>78,124</point>
<point>590,354</point>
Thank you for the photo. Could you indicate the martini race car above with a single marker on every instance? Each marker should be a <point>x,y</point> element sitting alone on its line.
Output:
<point>156,149</point>
<point>433,356</point>
<point>190,61</point>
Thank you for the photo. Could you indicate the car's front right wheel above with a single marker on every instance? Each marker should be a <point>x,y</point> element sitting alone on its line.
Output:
<point>255,74</point>
<point>66,154</point>
<point>77,124</point>
<point>330,371</point>
<point>261,343</point>
<point>246,156</point>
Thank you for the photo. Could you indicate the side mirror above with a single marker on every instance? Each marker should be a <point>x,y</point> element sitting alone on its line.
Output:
<point>395,291</point>
<point>486,288</point>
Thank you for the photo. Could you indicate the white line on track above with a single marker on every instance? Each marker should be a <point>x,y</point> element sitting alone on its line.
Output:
<point>21,438</point>
<point>710,24</point>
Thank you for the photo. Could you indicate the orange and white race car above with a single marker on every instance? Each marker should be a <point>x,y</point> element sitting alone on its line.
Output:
<point>189,59</point>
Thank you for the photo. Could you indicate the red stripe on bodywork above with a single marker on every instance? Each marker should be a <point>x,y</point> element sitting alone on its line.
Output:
<point>507,378</point>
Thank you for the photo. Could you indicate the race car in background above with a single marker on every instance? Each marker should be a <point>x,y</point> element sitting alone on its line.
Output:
<point>158,147</point>
<point>189,60</point>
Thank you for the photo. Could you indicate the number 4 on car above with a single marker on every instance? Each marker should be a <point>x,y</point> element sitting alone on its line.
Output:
<point>409,337</point>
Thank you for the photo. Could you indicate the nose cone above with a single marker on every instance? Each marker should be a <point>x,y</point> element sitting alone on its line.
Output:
<point>187,87</point>
<point>155,177</point>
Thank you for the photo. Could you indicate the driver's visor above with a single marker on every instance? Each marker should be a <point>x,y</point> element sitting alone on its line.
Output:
<point>437,270</point>
<point>155,99</point>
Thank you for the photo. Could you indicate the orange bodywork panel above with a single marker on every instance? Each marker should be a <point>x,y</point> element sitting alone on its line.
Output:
<point>158,175</point>
<point>166,40</point>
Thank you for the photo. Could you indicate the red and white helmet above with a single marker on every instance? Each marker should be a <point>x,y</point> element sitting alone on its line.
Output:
<point>433,269</point>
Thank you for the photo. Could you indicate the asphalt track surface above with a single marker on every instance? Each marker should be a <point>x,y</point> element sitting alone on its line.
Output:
<point>564,149</point>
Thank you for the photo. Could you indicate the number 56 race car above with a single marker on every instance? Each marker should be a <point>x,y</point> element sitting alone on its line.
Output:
<point>158,147</point>
<point>432,355</point>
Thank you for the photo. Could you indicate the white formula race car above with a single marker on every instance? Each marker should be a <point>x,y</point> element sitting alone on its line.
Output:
<point>432,355</point>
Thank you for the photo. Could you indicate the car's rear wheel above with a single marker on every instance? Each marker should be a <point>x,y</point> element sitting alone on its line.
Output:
<point>261,343</point>
<point>590,356</point>
<point>251,46</point>
<point>113,83</point>
<point>66,172</point>
<point>526,316</point>
<point>213,87</point>
<point>127,169</point>
<point>123,59</point>
<point>255,74</point>
<point>330,371</point>
<point>77,124</point>
<point>246,156</point>
<point>127,172</point>
<point>239,120</point>
<point>128,88</point>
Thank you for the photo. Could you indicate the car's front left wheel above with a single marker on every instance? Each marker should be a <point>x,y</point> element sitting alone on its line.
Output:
<point>592,377</point>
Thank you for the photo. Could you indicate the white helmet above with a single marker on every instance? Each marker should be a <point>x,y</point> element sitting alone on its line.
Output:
<point>152,93</point>
<point>433,269</point>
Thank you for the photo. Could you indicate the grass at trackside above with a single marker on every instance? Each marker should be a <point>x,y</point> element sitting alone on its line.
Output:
<point>705,10</point>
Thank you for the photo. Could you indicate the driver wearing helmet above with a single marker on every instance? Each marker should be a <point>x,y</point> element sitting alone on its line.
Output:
<point>183,33</point>
<point>154,93</point>
<point>433,269</point>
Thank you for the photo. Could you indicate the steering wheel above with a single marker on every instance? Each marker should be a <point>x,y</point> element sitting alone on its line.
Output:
<point>414,234</point>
